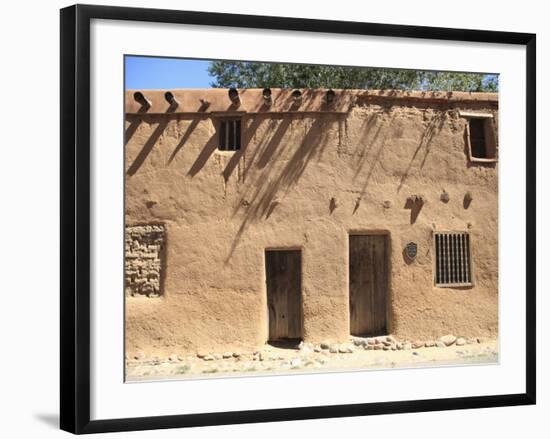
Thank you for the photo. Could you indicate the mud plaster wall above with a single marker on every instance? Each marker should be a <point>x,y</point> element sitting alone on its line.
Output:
<point>221,210</point>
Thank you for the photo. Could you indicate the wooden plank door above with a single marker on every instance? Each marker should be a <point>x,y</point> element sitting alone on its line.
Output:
<point>284,293</point>
<point>368,284</point>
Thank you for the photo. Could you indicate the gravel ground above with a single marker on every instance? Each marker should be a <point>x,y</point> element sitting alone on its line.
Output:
<point>273,360</point>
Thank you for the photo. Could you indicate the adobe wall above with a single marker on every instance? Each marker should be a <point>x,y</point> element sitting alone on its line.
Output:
<point>306,180</point>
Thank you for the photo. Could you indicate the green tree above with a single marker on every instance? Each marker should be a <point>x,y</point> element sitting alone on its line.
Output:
<point>450,81</point>
<point>258,75</point>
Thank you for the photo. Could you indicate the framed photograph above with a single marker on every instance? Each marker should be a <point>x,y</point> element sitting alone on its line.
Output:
<point>274,218</point>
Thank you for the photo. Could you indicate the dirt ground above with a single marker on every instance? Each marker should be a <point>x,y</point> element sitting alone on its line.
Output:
<point>285,359</point>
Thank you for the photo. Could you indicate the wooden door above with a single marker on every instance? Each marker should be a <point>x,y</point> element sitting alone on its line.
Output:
<point>284,293</point>
<point>368,284</point>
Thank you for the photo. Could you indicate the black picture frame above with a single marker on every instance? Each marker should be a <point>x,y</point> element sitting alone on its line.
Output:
<point>75,217</point>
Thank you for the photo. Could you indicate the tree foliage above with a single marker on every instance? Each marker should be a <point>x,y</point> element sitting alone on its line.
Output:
<point>259,75</point>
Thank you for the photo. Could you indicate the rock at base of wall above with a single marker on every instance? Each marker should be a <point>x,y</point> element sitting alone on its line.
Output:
<point>448,339</point>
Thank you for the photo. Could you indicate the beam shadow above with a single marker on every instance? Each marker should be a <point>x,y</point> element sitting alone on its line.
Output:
<point>147,148</point>
<point>209,148</point>
<point>415,208</point>
<point>434,127</point>
<point>262,202</point>
<point>248,135</point>
<point>194,123</point>
<point>135,122</point>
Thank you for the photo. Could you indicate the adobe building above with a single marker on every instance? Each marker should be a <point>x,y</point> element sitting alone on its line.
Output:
<point>262,215</point>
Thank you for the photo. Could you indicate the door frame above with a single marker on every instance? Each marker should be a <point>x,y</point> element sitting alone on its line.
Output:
<point>389,289</point>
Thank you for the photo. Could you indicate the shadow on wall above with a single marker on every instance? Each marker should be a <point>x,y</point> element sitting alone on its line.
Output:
<point>415,206</point>
<point>271,183</point>
<point>50,420</point>
<point>209,148</point>
<point>261,198</point>
<point>434,126</point>
<point>147,147</point>
<point>135,122</point>
<point>247,136</point>
<point>373,146</point>
<point>194,123</point>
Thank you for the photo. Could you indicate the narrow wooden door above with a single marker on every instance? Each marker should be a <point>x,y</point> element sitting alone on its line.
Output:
<point>368,284</point>
<point>284,293</point>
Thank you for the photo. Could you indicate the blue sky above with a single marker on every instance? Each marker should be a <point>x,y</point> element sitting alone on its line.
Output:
<point>153,73</point>
<point>145,72</point>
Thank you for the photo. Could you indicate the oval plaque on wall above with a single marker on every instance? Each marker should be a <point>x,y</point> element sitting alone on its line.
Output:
<point>411,250</point>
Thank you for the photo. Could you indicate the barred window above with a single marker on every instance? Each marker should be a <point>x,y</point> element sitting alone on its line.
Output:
<point>453,259</point>
<point>230,135</point>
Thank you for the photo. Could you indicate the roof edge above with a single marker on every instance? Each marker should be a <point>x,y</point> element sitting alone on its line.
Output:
<point>250,100</point>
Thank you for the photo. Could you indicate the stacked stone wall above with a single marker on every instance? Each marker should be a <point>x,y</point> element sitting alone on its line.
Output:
<point>144,251</point>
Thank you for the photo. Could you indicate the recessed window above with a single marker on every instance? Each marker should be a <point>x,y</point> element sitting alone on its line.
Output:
<point>230,135</point>
<point>481,138</point>
<point>453,259</point>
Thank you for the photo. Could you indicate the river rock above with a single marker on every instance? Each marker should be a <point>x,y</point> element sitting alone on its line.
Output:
<point>345,349</point>
<point>448,339</point>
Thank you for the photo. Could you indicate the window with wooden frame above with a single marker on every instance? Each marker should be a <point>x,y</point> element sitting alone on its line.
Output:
<point>480,137</point>
<point>453,259</point>
<point>229,134</point>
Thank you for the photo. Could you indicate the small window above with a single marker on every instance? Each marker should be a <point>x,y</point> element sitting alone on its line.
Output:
<point>481,139</point>
<point>230,135</point>
<point>453,259</point>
